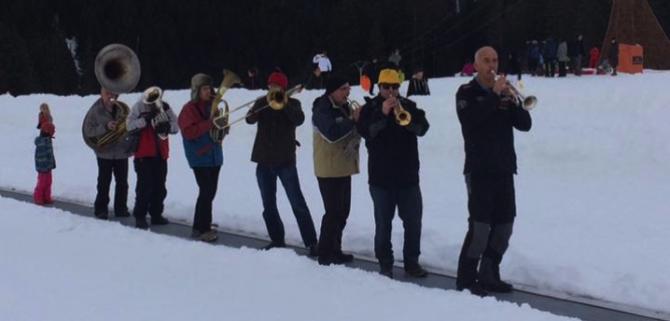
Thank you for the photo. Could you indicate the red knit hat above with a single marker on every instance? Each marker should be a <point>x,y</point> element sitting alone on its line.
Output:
<point>278,79</point>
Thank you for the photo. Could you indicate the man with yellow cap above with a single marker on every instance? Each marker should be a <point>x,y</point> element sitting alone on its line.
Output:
<point>393,170</point>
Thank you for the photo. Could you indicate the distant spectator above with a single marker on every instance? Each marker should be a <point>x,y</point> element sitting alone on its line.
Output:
<point>418,85</point>
<point>534,57</point>
<point>253,79</point>
<point>594,57</point>
<point>371,70</point>
<point>562,56</point>
<point>549,54</point>
<point>513,67</point>
<point>468,69</point>
<point>395,58</point>
<point>323,68</point>
<point>576,52</point>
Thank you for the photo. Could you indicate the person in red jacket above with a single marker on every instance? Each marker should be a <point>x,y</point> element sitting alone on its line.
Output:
<point>594,56</point>
<point>152,120</point>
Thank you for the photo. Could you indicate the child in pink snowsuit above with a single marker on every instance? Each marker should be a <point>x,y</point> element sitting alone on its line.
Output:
<point>44,157</point>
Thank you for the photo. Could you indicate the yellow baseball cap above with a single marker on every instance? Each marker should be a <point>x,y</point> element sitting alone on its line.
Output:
<point>388,76</point>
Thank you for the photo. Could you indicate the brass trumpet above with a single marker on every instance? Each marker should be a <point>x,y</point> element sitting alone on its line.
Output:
<point>527,102</point>
<point>402,116</point>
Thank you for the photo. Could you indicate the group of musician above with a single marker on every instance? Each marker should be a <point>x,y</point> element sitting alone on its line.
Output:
<point>389,124</point>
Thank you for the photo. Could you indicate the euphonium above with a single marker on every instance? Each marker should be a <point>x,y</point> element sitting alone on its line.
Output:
<point>117,132</point>
<point>153,96</point>
<point>218,115</point>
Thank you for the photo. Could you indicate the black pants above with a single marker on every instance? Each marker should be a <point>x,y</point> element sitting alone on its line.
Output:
<point>410,209</point>
<point>150,191</point>
<point>208,180</point>
<point>562,72</point>
<point>336,195</point>
<point>492,209</point>
<point>119,167</point>
<point>267,183</point>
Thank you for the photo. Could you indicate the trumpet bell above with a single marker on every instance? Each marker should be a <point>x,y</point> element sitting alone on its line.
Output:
<point>529,102</point>
<point>117,68</point>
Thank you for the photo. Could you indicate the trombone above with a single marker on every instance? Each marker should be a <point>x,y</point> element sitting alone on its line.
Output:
<point>275,98</point>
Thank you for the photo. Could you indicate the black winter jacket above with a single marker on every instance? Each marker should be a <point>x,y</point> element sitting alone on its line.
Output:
<point>393,154</point>
<point>487,124</point>
<point>275,142</point>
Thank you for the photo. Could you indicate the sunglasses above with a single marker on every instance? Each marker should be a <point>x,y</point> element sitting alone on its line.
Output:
<point>387,86</point>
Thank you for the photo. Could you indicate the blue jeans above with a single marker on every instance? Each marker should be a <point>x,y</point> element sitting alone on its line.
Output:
<point>410,209</point>
<point>267,183</point>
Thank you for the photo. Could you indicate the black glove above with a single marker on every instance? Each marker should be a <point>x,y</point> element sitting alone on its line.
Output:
<point>148,117</point>
<point>163,128</point>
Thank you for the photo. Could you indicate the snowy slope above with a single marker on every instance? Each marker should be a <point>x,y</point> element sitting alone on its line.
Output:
<point>74,268</point>
<point>591,191</point>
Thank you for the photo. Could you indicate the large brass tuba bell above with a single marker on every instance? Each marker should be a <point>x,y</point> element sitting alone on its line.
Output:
<point>117,68</point>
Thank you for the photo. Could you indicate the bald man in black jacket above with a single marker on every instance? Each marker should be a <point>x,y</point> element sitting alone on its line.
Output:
<point>488,113</point>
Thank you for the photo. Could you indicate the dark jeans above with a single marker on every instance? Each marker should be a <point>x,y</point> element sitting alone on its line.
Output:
<point>410,209</point>
<point>119,167</point>
<point>267,183</point>
<point>336,195</point>
<point>150,191</point>
<point>207,179</point>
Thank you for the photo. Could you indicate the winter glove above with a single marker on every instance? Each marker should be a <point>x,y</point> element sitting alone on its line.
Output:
<point>163,128</point>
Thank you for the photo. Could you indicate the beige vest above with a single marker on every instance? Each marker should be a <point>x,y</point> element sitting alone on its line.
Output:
<point>336,159</point>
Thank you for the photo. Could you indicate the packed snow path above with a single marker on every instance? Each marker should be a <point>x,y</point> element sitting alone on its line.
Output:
<point>581,308</point>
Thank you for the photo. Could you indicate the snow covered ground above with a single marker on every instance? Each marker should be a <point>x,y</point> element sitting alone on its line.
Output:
<point>73,268</point>
<point>593,215</point>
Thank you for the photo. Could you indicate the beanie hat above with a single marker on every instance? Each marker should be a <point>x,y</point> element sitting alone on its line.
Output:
<point>278,78</point>
<point>388,76</point>
<point>334,82</point>
<point>197,82</point>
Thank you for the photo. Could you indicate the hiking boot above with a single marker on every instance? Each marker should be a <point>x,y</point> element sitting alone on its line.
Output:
<point>386,271</point>
<point>416,271</point>
<point>312,251</point>
<point>489,277</point>
<point>141,223</point>
<point>122,214</point>
<point>498,286</point>
<point>273,245</point>
<point>342,258</point>
<point>207,236</point>
<point>159,220</point>
<point>474,288</point>
<point>101,216</point>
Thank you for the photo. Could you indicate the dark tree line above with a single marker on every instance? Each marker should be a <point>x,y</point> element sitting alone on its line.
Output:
<point>175,39</point>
